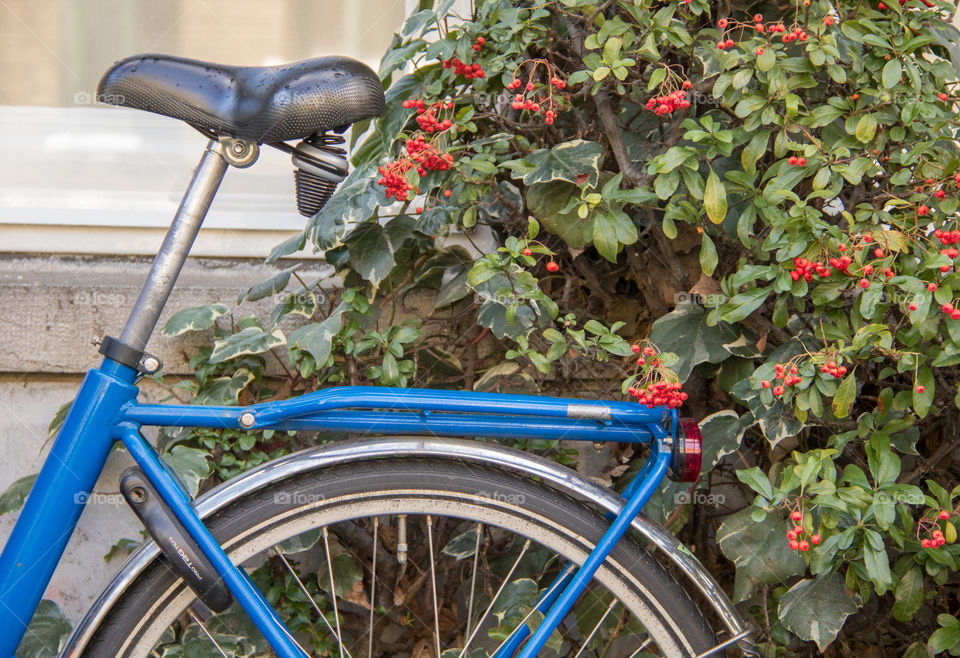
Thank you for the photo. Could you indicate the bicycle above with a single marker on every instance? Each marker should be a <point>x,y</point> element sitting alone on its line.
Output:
<point>392,498</point>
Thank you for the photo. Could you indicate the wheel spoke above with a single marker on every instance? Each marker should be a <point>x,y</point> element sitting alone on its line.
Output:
<point>373,587</point>
<point>207,633</point>
<point>473,578</point>
<point>645,644</point>
<point>433,585</point>
<point>303,589</point>
<point>727,643</point>
<point>596,628</point>
<point>486,612</point>
<point>333,590</point>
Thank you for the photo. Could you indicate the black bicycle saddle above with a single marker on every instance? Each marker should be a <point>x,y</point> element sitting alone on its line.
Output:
<point>256,103</point>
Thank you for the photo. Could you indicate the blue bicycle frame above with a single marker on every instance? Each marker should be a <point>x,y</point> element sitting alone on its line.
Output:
<point>106,410</point>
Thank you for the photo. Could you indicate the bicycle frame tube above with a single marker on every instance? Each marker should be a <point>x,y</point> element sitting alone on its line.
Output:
<point>57,498</point>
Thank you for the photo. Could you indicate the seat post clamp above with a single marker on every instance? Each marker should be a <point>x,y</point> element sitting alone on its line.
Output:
<point>143,362</point>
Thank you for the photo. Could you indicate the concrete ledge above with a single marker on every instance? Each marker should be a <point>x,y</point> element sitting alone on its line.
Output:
<point>54,306</point>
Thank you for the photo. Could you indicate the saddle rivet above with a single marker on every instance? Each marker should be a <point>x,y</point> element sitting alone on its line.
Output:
<point>247,419</point>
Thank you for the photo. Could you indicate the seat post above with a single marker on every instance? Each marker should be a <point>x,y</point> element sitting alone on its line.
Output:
<point>176,245</point>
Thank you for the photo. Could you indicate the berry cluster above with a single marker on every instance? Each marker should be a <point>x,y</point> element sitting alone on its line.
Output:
<point>759,27</point>
<point>667,103</point>
<point>659,394</point>
<point>393,177</point>
<point>478,44</point>
<point>799,162</point>
<point>805,269</point>
<point>468,71</point>
<point>787,374</point>
<point>653,389</point>
<point>797,535</point>
<point>932,527</point>
<point>544,102</point>
<point>427,156</point>
<point>831,367</point>
<point>427,115</point>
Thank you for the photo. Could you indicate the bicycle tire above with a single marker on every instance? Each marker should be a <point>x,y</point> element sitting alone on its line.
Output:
<point>412,486</point>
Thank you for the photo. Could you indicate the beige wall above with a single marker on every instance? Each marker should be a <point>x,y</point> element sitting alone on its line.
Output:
<point>52,50</point>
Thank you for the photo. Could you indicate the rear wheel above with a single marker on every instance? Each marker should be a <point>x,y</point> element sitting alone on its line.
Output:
<point>426,558</point>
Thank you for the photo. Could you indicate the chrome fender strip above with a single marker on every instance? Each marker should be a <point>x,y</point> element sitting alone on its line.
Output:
<point>494,454</point>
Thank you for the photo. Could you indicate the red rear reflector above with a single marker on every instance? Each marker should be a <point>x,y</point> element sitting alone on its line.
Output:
<point>687,452</point>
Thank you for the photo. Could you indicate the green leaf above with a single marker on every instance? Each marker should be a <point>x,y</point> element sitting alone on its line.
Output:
<point>923,401</point>
<point>347,573</point>
<point>685,332</point>
<point>845,395</point>
<point>708,255</point>
<point>197,318</point>
<point>876,562</point>
<point>766,61</point>
<point>269,287</point>
<point>190,465</point>
<point>252,340</point>
<point>46,634</point>
<point>890,77</point>
<point>757,480</point>
<point>866,128</point>
<point>758,550</point>
<point>816,608</point>
<point>462,546</point>
<point>722,434</point>
<point>224,390</point>
<point>317,338</point>
<point>715,198</point>
<point>909,595</point>
<point>13,498</point>
<point>576,161</point>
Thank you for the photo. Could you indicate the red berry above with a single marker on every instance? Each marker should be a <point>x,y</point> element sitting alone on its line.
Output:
<point>778,390</point>
<point>804,545</point>
<point>912,306</point>
<point>759,51</point>
<point>815,540</point>
<point>792,160</point>
<point>794,545</point>
<point>481,40</point>
<point>943,515</point>
<point>942,96</point>
<point>796,515</point>
<point>791,535</point>
<point>757,18</point>
<point>721,45</point>
<point>528,252</point>
<point>920,388</point>
<point>729,43</point>
<point>828,21</point>
<point>926,543</point>
<point>419,209</point>
<point>765,383</point>
<point>922,210</point>
<point>552,267</point>
<point>722,23</point>
<point>939,194</point>
<point>635,349</point>
<point>932,287</point>
<point>447,193</point>
<point>864,284</point>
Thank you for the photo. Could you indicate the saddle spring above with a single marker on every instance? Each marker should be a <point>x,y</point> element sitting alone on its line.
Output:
<point>320,166</point>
